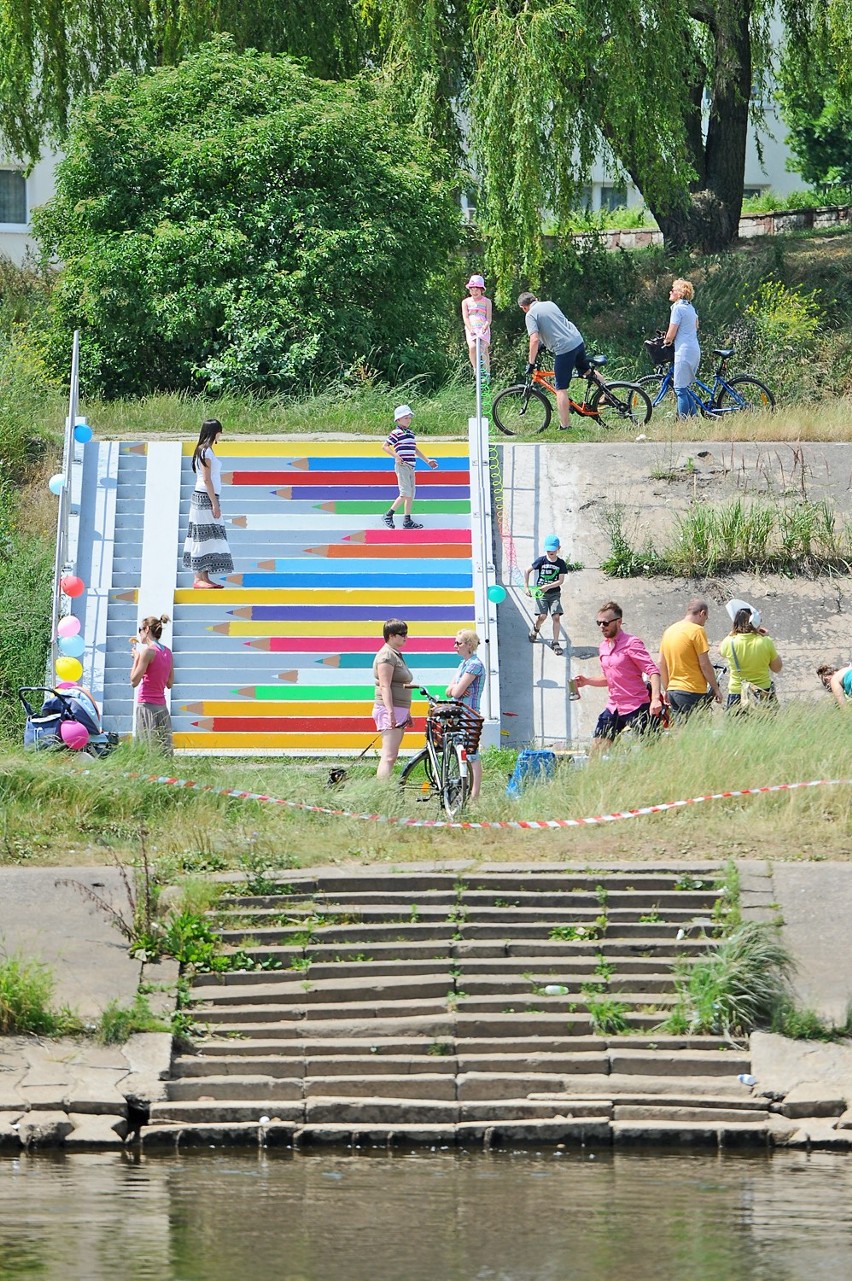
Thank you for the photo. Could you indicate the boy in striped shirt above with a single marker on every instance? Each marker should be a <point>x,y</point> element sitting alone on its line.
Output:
<point>404,450</point>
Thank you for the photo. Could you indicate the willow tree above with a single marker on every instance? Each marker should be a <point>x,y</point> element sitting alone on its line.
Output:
<point>662,90</point>
<point>815,90</point>
<point>54,54</point>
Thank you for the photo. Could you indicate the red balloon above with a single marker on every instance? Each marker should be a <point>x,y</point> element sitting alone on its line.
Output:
<point>72,585</point>
<point>74,735</point>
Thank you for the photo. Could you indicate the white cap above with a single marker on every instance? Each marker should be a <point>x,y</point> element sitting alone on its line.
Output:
<point>402,411</point>
<point>734,606</point>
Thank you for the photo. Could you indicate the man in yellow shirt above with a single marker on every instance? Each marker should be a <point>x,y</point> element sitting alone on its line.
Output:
<point>685,667</point>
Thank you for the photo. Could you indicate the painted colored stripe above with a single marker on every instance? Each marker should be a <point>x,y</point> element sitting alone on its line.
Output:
<point>229,447</point>
<point>361,507</point>
<point>384,581</point>
<point>305,693</point>
<point>378,571</point>
<point>323,596</point>
<point>313,526</point>
<point>379,612</point>
<point>285,742</point>
<point>373,536</point>
<point>399,550</point>
<point>374,462</point>
<point>353,628</point>
<point>295,725</point>
<point>351,660</point>
<point>347,644</point>
<point>292,708</point>
<point>354,479</point>
<point>383,493</point>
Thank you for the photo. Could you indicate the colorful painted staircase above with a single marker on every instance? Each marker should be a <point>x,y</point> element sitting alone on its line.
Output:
<point>281,659</point>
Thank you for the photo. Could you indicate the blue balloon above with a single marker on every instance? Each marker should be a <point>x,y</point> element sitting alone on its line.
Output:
<point>496,593</point>
<point>83,433</point>
<point>56,484</point>
<point>73,646</point>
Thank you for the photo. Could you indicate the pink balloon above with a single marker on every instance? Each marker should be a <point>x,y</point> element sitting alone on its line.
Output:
<point>74,735</point>
<point>72,585</point>
<point>65,685</point>
<point>68,626</point>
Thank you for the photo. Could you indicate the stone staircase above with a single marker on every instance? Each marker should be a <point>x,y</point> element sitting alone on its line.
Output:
<point>497,1008</point>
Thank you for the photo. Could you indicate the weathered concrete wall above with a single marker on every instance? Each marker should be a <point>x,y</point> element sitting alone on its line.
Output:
<point>567,489</point>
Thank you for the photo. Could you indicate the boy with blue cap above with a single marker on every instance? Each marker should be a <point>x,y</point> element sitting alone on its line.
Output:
<point>550,570</point>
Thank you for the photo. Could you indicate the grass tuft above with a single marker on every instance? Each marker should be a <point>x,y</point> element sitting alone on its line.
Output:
<point>26,1001</point>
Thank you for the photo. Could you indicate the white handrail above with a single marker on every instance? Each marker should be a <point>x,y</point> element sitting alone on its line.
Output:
<point>60,560</point>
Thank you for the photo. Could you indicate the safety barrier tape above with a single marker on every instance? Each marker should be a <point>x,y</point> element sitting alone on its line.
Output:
<point>486,824</point>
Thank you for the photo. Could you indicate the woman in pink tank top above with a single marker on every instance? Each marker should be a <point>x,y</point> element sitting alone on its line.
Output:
<point>152,673</point>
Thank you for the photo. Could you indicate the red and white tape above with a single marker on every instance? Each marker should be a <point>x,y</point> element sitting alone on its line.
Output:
<point>537,824</point>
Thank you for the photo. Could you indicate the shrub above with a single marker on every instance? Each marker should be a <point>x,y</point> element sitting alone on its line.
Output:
<point>118,1022</point>
<point>234,224</point>
<point>735,987</point>
<point>26,995</point>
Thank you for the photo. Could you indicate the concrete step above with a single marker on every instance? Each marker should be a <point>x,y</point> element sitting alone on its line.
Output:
<point>215,1088</point>
<point>671,1112</point>
<point>721,1134</point>
<point>679,1063</point>
<point>209,1111</point>
<point>562,912</point>
<point>574,968</point>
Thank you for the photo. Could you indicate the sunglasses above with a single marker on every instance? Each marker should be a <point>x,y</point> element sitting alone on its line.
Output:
<point>458,642</point>
<point>605,622</point>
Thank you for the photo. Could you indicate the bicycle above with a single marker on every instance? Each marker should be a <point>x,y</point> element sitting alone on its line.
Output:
<point>440,770</point>
<point>524,408</point>
<point>726,396</point>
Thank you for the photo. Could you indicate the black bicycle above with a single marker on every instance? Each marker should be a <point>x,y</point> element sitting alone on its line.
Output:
<point>525,409</point>
<point>440,769</point>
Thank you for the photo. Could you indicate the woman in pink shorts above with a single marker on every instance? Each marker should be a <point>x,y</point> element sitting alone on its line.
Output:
<point>392,709</point>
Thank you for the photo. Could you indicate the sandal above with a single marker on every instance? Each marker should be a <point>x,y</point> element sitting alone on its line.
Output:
<point>533,634</point>
<point>557,649</point>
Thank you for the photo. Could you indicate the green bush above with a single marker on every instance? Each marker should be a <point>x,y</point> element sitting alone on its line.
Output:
<point>118,1022</point>
<point>26,577</point>
<point>736,987</point>
<point>234,224</point>
<point>26,996</point>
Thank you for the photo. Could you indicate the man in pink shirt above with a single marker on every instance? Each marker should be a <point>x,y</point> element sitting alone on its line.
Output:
<point>626,663</point>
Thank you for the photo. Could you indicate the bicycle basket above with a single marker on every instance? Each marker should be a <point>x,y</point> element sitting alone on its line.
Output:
<point>456,716</point>
<point>659,352</point>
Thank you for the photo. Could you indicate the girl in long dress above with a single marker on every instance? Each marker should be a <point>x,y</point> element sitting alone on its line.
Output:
<point>206,549</point>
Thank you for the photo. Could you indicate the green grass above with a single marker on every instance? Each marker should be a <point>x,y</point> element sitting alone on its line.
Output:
<point>51,813</point>
<point>792,536</point>
<point>118,1022</point>
<point>26,1001</point>
<point>737,986</point>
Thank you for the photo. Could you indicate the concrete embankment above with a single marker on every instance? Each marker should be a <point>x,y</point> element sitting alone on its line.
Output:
<point>466,1005</point>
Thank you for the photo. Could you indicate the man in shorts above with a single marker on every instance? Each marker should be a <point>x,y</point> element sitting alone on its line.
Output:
<point>628,670</point>
<point>686,672</point>
<point>550,570</point>
<point>548,327</point>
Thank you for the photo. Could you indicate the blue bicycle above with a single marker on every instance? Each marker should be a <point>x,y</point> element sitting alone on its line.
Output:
<point>726,396</point>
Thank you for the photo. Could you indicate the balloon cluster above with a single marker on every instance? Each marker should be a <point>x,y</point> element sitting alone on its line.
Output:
<point>82,435</point>
<point>68,667</point>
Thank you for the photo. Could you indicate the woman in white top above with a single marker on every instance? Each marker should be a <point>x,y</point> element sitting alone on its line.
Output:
<point>683,332</point>
<point>206,549</point>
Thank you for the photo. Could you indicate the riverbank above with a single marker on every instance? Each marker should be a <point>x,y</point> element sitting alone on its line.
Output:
<point>73,1093</point>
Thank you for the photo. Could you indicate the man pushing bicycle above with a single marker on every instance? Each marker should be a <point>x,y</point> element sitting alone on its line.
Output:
<point>547,326</point>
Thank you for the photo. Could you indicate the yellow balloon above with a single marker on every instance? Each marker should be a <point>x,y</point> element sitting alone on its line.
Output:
<point>69,669</point>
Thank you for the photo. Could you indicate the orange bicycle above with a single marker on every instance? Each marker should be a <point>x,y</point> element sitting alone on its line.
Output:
<point>525,409</point>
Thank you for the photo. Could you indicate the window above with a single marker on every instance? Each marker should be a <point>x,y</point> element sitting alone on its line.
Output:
<point>613,197</point>
<point>13,197</point>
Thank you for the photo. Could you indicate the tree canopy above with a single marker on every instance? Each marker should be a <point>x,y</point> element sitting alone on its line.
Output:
<point>815,88</point>
<point>235,223</point>
<point>52,55</point>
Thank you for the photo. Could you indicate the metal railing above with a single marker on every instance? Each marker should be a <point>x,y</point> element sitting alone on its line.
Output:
<point>60,561</point>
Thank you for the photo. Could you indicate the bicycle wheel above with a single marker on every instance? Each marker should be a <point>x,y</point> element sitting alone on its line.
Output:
<point>521,410</point>
<point>621,404</point>
<point>418,775</point>
<point>651,384</point>
<point>746,393</point>
<point>454,783</point>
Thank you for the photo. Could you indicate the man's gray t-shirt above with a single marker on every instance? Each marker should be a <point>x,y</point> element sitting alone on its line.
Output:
<point>555,330</point>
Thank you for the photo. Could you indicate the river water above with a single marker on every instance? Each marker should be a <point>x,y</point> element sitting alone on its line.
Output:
<point>427,1216</point>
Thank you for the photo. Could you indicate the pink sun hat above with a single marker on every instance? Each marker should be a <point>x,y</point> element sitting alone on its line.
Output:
<point>475,282</point>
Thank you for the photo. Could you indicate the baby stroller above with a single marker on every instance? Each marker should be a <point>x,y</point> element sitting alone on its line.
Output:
<point>44,728</point>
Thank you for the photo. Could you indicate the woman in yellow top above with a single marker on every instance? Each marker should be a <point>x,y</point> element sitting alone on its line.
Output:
<point>751,656</point>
